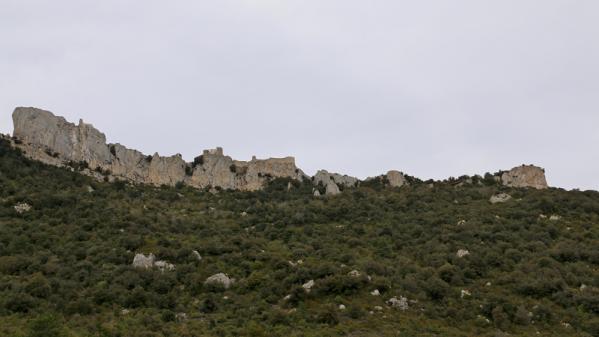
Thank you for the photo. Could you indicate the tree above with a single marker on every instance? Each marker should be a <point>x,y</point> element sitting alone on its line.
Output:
<point>46,326</point>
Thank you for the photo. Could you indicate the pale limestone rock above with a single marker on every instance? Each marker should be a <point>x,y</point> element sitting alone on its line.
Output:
<point>308,285</point>
<point>525,176</point>
<point>462,253</point>
<point>197,255</point>
<point>22,208</point>
<point>401,303</point>
<point>341,307</point>
<point>500,198</point>
<point>219,279</point>
<point>147,262</point>
<point>396,179</point>
<point>555,218</point>
<point>354,273</point>
<point>465,293</point>
<point>55,141</point>
<point>164,266</point>
<point>142,261</point>
<point>375,292</point>
<point>332,181</point>
<point>332,189</point>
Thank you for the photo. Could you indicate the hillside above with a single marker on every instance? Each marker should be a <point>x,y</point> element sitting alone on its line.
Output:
<point>456,264</point>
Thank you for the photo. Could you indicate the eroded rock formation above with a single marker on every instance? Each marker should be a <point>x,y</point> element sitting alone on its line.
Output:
<point>51,139</point>
<point>525,176</point>
<point>333,181</point>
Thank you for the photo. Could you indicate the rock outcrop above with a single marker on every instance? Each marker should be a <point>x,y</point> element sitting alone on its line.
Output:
<point>219,279</point>
<point>22,208</point>
<point>500,198</point>
<point>51,139</point>
<point>525,176</point>
<point>147,262</point>
<point>333,181</point>
<point>401,303</point>
<point>396,179</point>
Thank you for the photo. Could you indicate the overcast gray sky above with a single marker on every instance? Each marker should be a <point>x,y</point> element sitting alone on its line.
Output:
<point>434,88</point>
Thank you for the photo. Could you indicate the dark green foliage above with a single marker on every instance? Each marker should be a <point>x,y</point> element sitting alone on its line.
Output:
<point>70,257</point>
<point>46,326</point>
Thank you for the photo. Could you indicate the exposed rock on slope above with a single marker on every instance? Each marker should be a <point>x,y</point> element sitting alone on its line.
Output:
<point>500,198</point>
<point>52,140</point>
<point>332,181</point>
<point>525,176</point>
<point>55,141</point>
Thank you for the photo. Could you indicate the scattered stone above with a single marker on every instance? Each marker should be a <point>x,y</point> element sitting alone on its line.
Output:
<point>341,307</point>
<point>583,287</point>
<point>500,198</point>
<point>401,303</point>
<point>555,218</point>
<point>542,216</point>
<point>164,266</point>
<point>244,214</point>
<point>219,279</point>
<point>197,255</point>
<point>287,298</point>
<point>90,189</point>
<point>316,193</point>
<point>488,284</point>
<point>354,273</point>
<point>308,285</point>
<point>147,262</point>
<point>378,308</point>
<point>465,293</point>
<point>461,222</point>
<point>22,208</point>
<point>462,253</point>
<point>375,292</point>
<point>180,317</point>
<point>125,312</point>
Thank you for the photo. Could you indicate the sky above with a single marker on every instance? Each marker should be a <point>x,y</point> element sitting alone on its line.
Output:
<point>433,88</point>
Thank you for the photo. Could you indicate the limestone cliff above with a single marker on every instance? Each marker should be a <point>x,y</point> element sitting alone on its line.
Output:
<point>51,139</point>
<point>525,176</point>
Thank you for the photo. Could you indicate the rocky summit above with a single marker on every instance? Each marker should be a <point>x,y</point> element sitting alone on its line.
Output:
<point>53,140</point>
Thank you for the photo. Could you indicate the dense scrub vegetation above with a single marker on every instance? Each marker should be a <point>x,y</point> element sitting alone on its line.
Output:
<point>65,265</point>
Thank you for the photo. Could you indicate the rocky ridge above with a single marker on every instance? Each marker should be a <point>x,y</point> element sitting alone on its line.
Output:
<point>53,140</point>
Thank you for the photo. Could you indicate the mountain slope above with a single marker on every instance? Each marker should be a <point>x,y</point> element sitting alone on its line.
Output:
<point>66,263</point>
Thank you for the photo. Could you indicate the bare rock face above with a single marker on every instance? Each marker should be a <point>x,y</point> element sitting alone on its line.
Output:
<point>525,176</point>
<point>142,261</point>
<point>52,140</point>
<point>396,179</point>
<point>332,181</point>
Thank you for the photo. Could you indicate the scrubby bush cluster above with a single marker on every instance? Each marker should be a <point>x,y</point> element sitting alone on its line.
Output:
<point>66,264</point>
